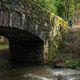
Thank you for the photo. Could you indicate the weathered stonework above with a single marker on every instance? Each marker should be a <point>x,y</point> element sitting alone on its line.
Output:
<point>27,16</point>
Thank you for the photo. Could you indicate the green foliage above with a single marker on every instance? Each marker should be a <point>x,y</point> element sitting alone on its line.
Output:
<point>58,26</point>
<point>59,4</point>
<point>4,46</point>
<point>4,43</point>
<point>40,2</point>
<point>47,4</point>
<point>70,48</point>
<point>72,63</point>
<point>50,6</point>
<point>67,9</point>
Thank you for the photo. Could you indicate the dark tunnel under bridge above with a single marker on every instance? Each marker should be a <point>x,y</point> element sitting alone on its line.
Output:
<point>27,33</point>
<point>25,48</point>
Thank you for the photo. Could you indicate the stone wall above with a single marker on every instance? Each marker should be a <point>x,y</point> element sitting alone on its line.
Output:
<point>27,15</point>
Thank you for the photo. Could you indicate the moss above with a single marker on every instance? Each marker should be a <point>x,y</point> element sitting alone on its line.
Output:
<point>48,26</point>
<point>58,29</point>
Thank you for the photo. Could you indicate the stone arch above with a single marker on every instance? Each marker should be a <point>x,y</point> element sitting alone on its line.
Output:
<point>25,48</point>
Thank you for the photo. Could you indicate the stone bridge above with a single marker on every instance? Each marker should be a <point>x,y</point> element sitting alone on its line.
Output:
<point>26,28</point>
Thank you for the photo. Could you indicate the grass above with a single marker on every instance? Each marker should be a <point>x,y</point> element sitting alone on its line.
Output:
<point>4,46</point>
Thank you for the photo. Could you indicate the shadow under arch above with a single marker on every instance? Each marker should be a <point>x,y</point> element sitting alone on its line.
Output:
<point>25,48</point>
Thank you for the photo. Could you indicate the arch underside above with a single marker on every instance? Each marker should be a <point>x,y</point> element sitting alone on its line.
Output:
<point>25,32</point>
<point>24,46</point>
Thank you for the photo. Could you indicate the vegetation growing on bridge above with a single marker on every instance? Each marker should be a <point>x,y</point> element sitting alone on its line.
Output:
<point>4,43</point>
<point>49,27</point>
<point>58,29</point>
<point>52,27</point>
<point>39,19</point>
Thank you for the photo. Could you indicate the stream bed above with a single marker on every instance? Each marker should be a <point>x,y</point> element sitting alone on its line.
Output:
<point>40,72</point>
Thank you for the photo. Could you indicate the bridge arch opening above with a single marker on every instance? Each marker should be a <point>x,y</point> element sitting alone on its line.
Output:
<point>4,42</point>
<point>24,47</point>
<point>26,52</point>
<point>4,48</point>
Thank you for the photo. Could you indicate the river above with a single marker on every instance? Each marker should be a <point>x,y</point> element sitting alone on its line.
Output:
<point>35,72</point>
<point>40,72</point>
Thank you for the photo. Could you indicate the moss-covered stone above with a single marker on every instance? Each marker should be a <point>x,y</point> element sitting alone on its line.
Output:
<point>27,15</point>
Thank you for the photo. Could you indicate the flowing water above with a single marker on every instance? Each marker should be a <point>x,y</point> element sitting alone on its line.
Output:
<point>35,72</point>
<point>40,73</point>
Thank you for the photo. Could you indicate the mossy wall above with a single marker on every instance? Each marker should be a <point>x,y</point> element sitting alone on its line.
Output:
<point>51,28</point>
<point>48,26</point>
<point>58,28</point>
